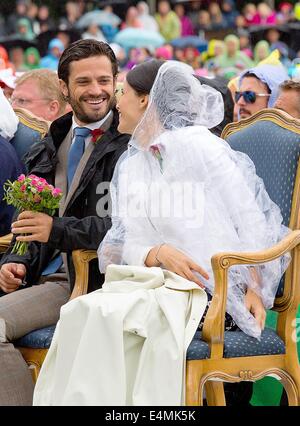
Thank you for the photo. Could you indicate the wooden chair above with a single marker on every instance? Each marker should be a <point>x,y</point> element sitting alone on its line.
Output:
<point>271,139</point>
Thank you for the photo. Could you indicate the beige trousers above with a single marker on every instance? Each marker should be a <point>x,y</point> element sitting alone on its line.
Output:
<point>21,312</point>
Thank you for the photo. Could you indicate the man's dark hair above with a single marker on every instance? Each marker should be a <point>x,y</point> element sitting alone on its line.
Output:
<point>83,49</point>
<point>251,74</point>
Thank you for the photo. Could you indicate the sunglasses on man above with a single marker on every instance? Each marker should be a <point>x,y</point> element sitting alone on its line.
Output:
<point>249,96</point>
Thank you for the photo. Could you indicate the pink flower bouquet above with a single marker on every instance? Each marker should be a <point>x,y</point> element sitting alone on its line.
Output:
<point>34,194</point>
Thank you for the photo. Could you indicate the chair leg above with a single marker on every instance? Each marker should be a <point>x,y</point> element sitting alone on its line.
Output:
<point>193,375</point>
<point>34,370</point>
<point>215,393</point>
<point>292,388</point>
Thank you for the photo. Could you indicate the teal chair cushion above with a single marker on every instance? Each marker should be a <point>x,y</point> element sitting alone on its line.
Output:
<point>238,344</point>
<point>37,339</point>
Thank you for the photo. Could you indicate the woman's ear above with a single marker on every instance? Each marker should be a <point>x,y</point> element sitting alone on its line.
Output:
<point>144,99</point>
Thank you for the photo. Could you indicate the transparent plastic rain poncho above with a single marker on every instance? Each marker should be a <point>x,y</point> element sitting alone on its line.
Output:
<point>181,185</point>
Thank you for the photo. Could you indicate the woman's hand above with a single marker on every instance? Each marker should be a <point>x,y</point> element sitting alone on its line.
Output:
<point>176,261</point>
<point>254,304</point>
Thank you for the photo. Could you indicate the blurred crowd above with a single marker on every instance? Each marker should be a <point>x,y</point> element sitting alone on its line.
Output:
<point>214,37</point>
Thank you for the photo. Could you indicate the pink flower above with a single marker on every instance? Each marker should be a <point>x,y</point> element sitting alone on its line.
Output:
<point>40,188</point>
<point>34,182</point>
<point>42,181</point>
<point>56,192</point>
<point>23,188</point>
<point>21,178</point>
<point>33,177</point>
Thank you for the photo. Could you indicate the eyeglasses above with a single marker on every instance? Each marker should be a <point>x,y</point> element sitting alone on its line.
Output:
<point>249,96</point>
<point>23,102</point>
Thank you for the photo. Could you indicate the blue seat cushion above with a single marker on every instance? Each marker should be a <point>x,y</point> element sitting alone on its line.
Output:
<point>37,339</point>
<point>239,344</point>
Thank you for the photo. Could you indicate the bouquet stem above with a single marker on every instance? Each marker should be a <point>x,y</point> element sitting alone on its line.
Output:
<point>20,248</point>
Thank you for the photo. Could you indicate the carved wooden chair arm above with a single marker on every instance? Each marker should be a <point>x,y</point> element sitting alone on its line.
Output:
<point>81,259</point>
<point>213,328</point>
<point>5,242</point>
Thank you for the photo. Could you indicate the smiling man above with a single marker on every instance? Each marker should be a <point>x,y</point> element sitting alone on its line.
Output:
<point>79,153</point>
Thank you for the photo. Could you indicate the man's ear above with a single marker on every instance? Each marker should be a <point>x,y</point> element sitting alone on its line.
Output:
<point>54,109</point>
<point>64,89</point>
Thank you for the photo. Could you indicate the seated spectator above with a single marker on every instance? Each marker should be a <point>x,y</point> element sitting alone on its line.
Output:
<point>147,21</point>
<point>258,88</point>
<point>16,55</point>
<point>265,15</point>
<point>164,53</point>
<point>45,21</point>
<point>245,43</point>
<point>10,168</point>
<point>192,57</point>
<point>193,11</point>
<point>186,24</point>
<point>137,56</point>
<point>32,14</point>
<point>218,21</point>
<point>250,14</point>
<point>285,14</point>
<point>55,51</point>
<point>178,54</point>
<point>10,165</point>
<point>24,30</point>
<point>240,22</point>
<point>38,92</point>
<point>94,32</point>
<point>272,35</point>
<point>168,22</point>
<point>4,60</point>
<point>72,15</point>
<point>32,58</point>
<point>289,98</point>
<point>261,51</point>
<point>233,57</point>
<point>131,19</point>
<point>229,12</point>
<point>203,22</point>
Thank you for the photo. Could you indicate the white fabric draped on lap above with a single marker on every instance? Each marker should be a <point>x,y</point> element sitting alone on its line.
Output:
<point>130,342</point>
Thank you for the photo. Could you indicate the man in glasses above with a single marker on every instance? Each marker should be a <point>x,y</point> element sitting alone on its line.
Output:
<point>258,89</point>
<point>39,92</point>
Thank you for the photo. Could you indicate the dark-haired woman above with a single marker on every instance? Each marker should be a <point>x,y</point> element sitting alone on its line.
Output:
<point>179,195</point>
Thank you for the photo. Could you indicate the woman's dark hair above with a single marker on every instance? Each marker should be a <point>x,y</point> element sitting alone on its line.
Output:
<point>141,77</point>
<point>83,49</point>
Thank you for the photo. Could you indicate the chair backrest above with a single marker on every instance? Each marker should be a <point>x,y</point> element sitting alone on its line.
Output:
<point>271,138</point>
<point>31,130</point>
